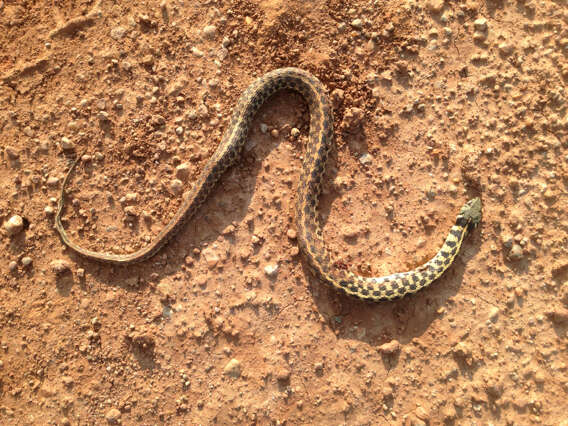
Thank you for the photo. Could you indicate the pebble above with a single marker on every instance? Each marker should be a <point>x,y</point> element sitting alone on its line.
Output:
<point>53,181</point>
<point>131,211</point>
<point>13,153</point>
<point>26,261</point>
<point>390,348</point>
<point>233,368</point>
<point>210,31</point>
<point>182,171</point>
<point>14,225</point>
<point>294,132</point>
<point>60,266</point>
<point>435,6</point>
<point>352,120</point>
<point>263,127</point>
<point>211,257</point>
<point>271,270</point>
<point>494,314</point>
<point>337,96</point>
<point>516,252</point>
<point>480,24</point>
<point>274,133</point>
<point>506,49</point>
<point>196,52</point>
<point>13,266</point>
<point>66,144</point>
<point>350,232</point>
<point>118,33</point>
<point>507,241</point>
<point>558,315</point>
<point>422,414</point>
<point>112,415</point>
<point>291,233</point>
<point>357,23</point>
<point>176,186</point>
<point>366,158</point>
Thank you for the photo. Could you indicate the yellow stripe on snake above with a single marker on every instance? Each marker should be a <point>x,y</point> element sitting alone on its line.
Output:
<point>310,237</point>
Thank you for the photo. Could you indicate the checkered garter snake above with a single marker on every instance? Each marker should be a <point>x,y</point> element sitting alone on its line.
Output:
<point>310,237</point>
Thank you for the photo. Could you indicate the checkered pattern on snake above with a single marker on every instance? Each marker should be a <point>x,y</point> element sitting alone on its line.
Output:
<point>309,231</point>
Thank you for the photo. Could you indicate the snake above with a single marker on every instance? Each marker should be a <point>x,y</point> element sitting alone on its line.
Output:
<point>309,231</point>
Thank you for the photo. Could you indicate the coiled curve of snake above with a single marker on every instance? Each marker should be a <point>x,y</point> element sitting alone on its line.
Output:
<point>310,238</point>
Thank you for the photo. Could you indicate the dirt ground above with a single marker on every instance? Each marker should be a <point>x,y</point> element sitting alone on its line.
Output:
<point>434,103</point>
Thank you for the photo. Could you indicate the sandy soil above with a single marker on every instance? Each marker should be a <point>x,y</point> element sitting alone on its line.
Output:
<point>435,102</point>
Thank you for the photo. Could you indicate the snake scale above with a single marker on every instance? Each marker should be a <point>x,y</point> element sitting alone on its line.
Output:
<point>309,233</point>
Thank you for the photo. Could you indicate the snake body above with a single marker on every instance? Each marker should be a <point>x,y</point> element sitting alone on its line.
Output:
<point>309,233</point>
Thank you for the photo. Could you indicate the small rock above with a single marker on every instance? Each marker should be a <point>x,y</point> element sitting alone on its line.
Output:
<point>60,266</point>
<point>435,6</point>
<point>47,390</point>
<point>390,348</point>
<point>337,96</point>
<point>13,153</point>
<point>462,350</point>
<point>67,381</point>
<point>449,413</point>
<point>506,49</point>
<point>480,24</point>
<point>291,233</point>
<point>182,171</point>
<point>113,415</point>
<point>211,257</point>
<point>131,211</point>
<point>14,225</point>
<point>26,261</point>
<point>13,266</point>
<point>516,252</point>
<point>357,23</point>
<point>196,52</point>
<point>507,241</point>
<point>350,232</point>
<point>233,368</point>
<point>263,127</point>
<point>66,144</point>
<point>365,158</point>
<point>294,132</point>
<point>53,181</point>
<point>479,36</point>
<point>283,374</point>
<point>352,120</point>
<point>422,414</point>
<point>118,33</point>
<point>494,314</point>
<point>176,187</point>
<point>271,270</point>
<point>558,316</point>
<point>274,133</point>
<point>210,31</point>
<point>147,60</point>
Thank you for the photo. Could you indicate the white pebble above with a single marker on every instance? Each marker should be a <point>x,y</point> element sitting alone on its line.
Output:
<point>14,225</point>
<point>271,270</point>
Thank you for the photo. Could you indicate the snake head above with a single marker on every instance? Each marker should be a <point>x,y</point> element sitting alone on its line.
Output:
<point>471,212</point>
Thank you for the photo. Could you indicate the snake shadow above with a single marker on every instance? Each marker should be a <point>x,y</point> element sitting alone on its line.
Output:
<point>402,320</point>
